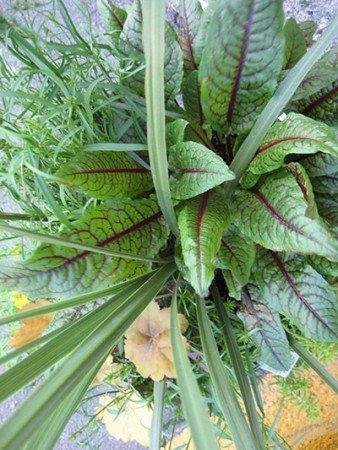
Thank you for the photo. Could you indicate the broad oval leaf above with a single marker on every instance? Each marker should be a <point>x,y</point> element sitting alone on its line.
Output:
<point>324,266</point>
<point>326,185</point>
<point>308,28</point>
<point>321,164</point>
<point>135,227</point>
<point>293,288</point>
<point>175,131</point>
<point>295,43</point>
<point>236,257</point>
<point>105,175</point>
<point>201,221</point>
<point>240,62</point>
<point>323,105</point>
<point>131,46</point>
<point>265,328</point>
<point>297,134</point>
<point>328,209</point>
<point>196,170</point>
<point>190,13</point>
<point>192,97</point>
<point>274,215</point>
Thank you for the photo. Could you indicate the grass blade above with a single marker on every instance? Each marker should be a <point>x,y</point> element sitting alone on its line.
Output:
<point>278,102</point>
<point>112,147</point>
<point>314,364</point>
<point>50,239</point>
<point>194,408</point>
<point>236,359</point>
<point>156,423</point>
<point>153,42</point>
<point>225,392</point>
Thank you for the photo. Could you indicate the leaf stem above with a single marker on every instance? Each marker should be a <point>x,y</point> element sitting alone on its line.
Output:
<point>156,423</point>
<point>314,364</point>
<point>153,42</point>
<point>277,103</point>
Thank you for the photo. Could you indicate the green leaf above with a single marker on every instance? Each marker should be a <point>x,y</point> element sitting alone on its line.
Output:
<point>293,288</point>
<point>322,105</point>
<point>105,175</point>
<point>326,185</point>
<point>131,47</point>
<point>322,75</point>
<point>113,18</point>
<point>201,36</point>
<point>225,392</point>
<point>175,131</point>
<point>321,164</point>
<point>308,28</point>
<point>130,226</point>
<point>328,209</point>
<point>190,13</point>
<point>265,328</point>
<point>196,170</point>
<point>323,266</point>
<point>273,214</point>
<point>157,419</point>
<point>241,62</point>
<point>295,43</point>
<point>236,257</point>
<point>194,408</point>
<point>93,348</point>
<point>202,221</point>
<point>296,134</point>
<point>192,96</point>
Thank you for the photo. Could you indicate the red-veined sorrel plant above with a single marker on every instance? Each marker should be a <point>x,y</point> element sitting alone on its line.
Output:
<point>214,183</point>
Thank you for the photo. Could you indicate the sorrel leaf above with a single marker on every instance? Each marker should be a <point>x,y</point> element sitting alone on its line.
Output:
<point>201,221</point>
<point>192,96</point>
<point>321,164</point>
<point>190,12</point>
<point>323,266</point>
<point>113,18</point>
<point>265,328</point>
<point>293,288</point>
<point>308,28</point>
<point>105,175</point>
<point>273,214</point>
<point>322,75</point>
<point>131,46</point>
<point>295,43</point>
<point>328,209</point>
<point>196,170</point>
<point>297,134</point>
<point>235,257</point>
<point>130,226</point>
<point>174,132</point>
<point>327,184</point>
<point>240,62</point>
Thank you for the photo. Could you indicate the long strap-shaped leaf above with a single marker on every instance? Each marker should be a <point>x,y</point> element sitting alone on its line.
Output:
<point>153,42</point>
<point>238,365</point>
<point>49,239</point>
<point>157,420</point>
<point>90,352</point>
<point>192,401</point>
<point>242,436</point>
<point>279,100</point>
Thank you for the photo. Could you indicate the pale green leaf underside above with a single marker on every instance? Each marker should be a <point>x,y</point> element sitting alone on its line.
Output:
<point>105,175</point>
<point>296,134</point>
<point>294,289</point>
<point>196,170</point>
<point>265,329</point>
<point>235,257</point>
<point>201,221</point>
<point>133,227</point>
<point>240,62</point>
<point>273,214</point>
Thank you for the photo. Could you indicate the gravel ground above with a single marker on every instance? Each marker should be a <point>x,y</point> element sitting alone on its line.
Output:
<point>322,11</point>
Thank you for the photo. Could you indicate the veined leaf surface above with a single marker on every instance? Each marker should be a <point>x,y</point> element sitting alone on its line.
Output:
<point>297,134</point>
<point>134,227</point>
<point>240,62</point>
<point>192,96</point>
<point>328,209</point>
<point>132,47</point>
<point>273,214</point>
<point>321,164</point>
<point>113,18</point>
<point>265,329</point>
<point>308,28</point>
<point>106,175</point>
<point>201,221</point>
<point>327,184</point>
<point>174,132</point>
<point>324,266</point>
<point>236,257</point>
<point>295,43</point>
<point>190,12</point>
<point>196,170</point>
<point>294,289</point>
<point>323,105</point>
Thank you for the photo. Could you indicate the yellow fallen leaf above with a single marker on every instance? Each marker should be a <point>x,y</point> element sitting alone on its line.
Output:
<point>19,299</point>
<point>148,343</point>
<point>32,327</point>
<point>128,419</point>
